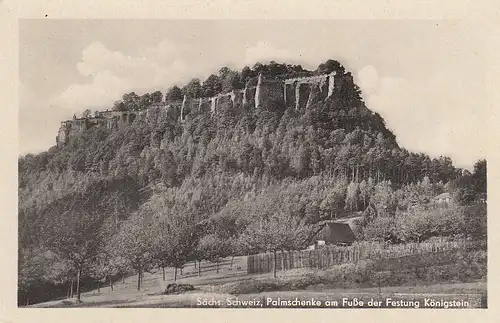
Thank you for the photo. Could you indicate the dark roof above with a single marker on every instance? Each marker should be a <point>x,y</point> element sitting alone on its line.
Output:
<point>336,233</point>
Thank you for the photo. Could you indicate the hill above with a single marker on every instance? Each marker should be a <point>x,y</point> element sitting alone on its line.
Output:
<point>209,172</point>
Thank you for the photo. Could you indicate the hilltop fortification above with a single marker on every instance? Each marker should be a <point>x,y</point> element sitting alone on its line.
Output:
<point>293,92</point>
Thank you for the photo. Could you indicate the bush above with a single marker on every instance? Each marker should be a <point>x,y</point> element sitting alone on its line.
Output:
<point>255,286</point>
<point>178,288</point>
<point>417,225</point>
<point>452,266</point>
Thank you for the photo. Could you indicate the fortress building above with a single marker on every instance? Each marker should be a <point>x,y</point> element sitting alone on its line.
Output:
<point>299,92</point>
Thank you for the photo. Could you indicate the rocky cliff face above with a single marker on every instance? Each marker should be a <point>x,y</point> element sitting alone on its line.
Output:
<point>109,119</point>
<point>300,93</point>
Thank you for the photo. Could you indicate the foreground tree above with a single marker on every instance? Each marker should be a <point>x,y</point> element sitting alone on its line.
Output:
<point>76,239</point>
<point>106,265</point>
<point>176,240</point>
<point>281,231</point>
<point>135,243</point>
<point>214,248</point>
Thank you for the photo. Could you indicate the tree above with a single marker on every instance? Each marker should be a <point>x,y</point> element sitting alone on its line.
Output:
<point>333,202</point>
<point>193,89</point>
<point>383,198</point>
<point>214,248</point>
<point>176,238</point>
<point>157,96</point>
<point>229,80</point>
<point>39,267</point>
<point>299,161</point>
<point>135,242</point>
<point>144,101</point>
<point>131,101</point>
<point>330,66</point>
<point>462,189</point>
<point>212,86</point>
<point>382,228</point>
<point>77,238</point>
<point>245,74</point>
<point>475,221</point>
<point>119,106</point>
<point>86,114</point>
<point>480,176</point>
<point>173,94</point>
<point>352,197</point>
<point>280,231</point>
<point>107,264</point>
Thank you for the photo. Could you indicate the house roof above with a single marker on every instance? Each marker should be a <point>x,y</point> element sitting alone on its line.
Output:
<point>333,232</point>
<point>442,196</point>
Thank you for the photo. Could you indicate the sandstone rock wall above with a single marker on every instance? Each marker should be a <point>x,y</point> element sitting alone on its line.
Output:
<point>304,91</point>
<point>299,93</point>
<point>268,91</point>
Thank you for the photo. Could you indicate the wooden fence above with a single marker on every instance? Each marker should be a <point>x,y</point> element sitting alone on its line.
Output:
<point>329,256</point>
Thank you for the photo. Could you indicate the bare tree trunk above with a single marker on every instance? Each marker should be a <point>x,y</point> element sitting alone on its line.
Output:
<point>98,287</point>
<point>71,292</point>
<point>175,274</point>
<point>139,280</point>
<point>195,264</point>
<point>27,300</point>
<point>78,291</point>
<point>199,268</point>
<point>231,266</point>
<point>163,269</point>
<point>123,278</point>
<point>217,266</point>
<point>275,263</point>
<point>181,269</point>
<point>110,283</point>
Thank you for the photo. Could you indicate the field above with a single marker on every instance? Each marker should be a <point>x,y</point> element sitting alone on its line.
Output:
<point>232,283</point>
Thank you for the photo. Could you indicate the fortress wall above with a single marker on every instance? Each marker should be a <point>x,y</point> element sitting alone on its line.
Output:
<point>268,91</point>
<point>275,92</point>
<point>340,81</point>
<point>289,94</point>
<point>237,97</point>
<point>204,105</point>
<point>331,84</point>
<point>302,95</point>
<point>318,91</point>
<point>187,106</point>
<point>62,136</point>
<point>250,96</point>
<point>323,88</point>
<point>300,92</point>
<point>173,111</point>
<point>224,101</point>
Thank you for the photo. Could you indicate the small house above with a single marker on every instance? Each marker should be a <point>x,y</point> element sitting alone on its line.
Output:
<point>481,198</point>
<point>334,233</point>
<point>444,198</point>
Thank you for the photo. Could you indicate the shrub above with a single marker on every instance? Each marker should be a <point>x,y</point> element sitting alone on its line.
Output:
<point>178,288</point>
<point>417,225</point>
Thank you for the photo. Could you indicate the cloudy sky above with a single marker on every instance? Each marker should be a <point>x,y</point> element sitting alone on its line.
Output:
<point>426,78</point>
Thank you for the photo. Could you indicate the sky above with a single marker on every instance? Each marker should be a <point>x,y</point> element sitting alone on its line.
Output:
<point>426,78</point>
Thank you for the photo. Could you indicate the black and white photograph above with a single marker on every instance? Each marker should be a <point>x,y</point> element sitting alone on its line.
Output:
<point>258,164</point>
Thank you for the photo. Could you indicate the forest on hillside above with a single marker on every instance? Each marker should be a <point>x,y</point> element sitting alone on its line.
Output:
<point>160,193</point>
